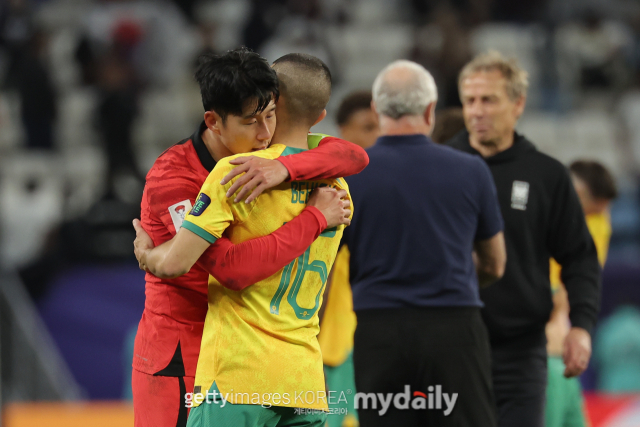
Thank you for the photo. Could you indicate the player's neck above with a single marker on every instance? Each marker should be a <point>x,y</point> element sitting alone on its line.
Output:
<point>406,125</point>
<point>215,146</point>
<point>291,136</point>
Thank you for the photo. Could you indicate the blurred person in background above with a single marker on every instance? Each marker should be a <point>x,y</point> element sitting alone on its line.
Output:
<point>29,74</point>
<point>449,122</point>
<point>128,47</point>
<point>471,11</point>
<point>261,24</point>
<point>337,326</point>
<point>596,49</point>
<point>596,189</point>
<point>356,119</point>
<point>543,219</point>
<point>300,29</point>
<point>422,210</point>
<point>518,12</point>
<point>169,334</point>
<point>358,123</point>
<point>443,46</point>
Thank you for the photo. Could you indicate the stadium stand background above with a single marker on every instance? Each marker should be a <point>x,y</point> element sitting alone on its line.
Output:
<point>93,91</point>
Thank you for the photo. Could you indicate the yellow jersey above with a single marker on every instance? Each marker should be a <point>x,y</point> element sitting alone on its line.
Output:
<point>260,344</point>
<point>600,228</point>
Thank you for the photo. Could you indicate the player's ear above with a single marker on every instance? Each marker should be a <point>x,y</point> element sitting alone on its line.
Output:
<point>320,117</point>
<point>430,114</point>
<point>213,121</point>
<point>373,107</point>
<point>520,104</point>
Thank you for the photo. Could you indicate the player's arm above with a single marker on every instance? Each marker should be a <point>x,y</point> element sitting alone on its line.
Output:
<point>332,158</point>
<point>570,243</point>
<point>490,254</point>
<point>237,266</point>
<point>172,258</point>
<point>491,258</point>
<point>210,216</point>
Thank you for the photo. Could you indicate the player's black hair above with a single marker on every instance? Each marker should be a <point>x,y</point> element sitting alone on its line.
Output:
<point>305,83</point>
<point>351,104</point>
<point>598,179</point>
<point>231,81</point>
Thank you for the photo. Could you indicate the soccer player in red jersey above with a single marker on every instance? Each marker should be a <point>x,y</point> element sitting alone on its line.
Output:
<point>169,334</point>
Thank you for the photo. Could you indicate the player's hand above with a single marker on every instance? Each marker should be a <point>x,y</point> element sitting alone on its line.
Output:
<point>259,175</point>
<point>576,352</point>
<point>141,245</point>
<point>333,204</point>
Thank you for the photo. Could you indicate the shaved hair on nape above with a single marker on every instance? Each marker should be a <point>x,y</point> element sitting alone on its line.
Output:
<point>305,84</point>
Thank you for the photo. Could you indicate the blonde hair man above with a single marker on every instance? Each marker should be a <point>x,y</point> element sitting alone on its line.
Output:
<point>543,219</point>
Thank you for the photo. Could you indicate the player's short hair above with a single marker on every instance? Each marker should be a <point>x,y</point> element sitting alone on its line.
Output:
<point>403,88</point>
<point>232,81</point>
<point>351,104</point>
<point>517,79</point>
<point>598,179</point>
<point>305,83</point>
<point>449,122</point>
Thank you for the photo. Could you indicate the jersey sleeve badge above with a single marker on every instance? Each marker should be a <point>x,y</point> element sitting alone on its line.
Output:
<point>178,212</point>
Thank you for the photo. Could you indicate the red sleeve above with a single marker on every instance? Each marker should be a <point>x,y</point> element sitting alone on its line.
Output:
<point>334,158</point>
<point>164,204</point>
<point>237,266</point>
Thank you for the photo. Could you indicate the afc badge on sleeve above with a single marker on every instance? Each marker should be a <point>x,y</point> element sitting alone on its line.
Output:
<point>178,212</point>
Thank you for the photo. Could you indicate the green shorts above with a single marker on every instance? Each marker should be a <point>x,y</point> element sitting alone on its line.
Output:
<point>341,396</point>
<point>564,397</point>
<point>229,415</point>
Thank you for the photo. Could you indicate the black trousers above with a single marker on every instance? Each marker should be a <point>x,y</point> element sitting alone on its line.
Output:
<point>423,349</point>
<point>520,380</point>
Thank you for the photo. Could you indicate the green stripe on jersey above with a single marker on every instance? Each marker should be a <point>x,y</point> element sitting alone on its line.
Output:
<point>313,140</point>
<point>199,231</point>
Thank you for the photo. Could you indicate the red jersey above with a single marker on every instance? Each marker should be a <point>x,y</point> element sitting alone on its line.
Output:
<point>174,309</point>
<point>170,331</point>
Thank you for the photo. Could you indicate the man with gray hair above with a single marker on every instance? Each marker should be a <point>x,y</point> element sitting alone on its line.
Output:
<point>543,219</point>
<point>421,351</point>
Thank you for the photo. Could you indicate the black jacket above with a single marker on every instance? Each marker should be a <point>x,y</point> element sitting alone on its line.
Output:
<point>543,219</point>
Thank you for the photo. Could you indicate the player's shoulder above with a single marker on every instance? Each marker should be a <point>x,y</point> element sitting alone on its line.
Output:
<point>314,139</point>
<point>529,153</point>
<point>174,161</point>
<point>553,170</point>
<point>547,161</point>
<point>456,154</point>
<point>273,152</point>
<point>447,158</point>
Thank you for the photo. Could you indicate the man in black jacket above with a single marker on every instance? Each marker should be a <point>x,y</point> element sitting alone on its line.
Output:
<point>543,219</point>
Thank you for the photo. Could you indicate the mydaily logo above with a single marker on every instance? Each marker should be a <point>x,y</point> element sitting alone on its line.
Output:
<point>432,400</point>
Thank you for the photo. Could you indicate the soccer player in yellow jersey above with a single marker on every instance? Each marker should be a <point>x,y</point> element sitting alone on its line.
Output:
<point>596,188</point>
<point>358,123</point>
<point>336,342</point>
<point>260,362</point>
